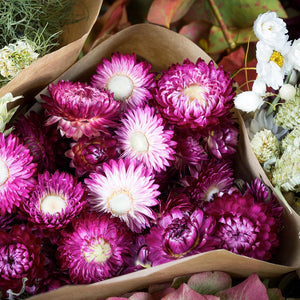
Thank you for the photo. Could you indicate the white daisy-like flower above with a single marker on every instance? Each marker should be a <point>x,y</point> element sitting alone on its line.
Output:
<point>126,190</point>
<point>142,136</point>
<point>294,54</point>
<point>270,29</point>
<point>287,91</point>
<point>272,63</point>
<point>259,86</point>
<point>248,101</point>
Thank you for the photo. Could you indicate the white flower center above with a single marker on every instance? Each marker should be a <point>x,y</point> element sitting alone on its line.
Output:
<point>4,172</point>
<point>211,192</point>
<point>139,142</point>
<point>120,202</point>
<point>121,86</point>
<point>99,251</point>
<point>52,204</point>
<point>195,92</point>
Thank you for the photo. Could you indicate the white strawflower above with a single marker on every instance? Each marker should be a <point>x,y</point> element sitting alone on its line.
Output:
<point>294,55</point>
<point>272,63</point>
<point>286,173</point>
<point>248,101</point>
<point>16,57</point>
<point>270,29</point>
<point>265,145</point>
<point>287,91</point>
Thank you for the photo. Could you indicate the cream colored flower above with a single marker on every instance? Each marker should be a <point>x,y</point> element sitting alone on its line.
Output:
<point>294,55</point>
<point>291,140</point>
<point>265,145</point>
<point>288,114</point>
<point>287,91</point>
<point>272,63</point>
<point>248,101</point>
<point>16,57</point>
<point>286,173</point>
<point>270,29</point>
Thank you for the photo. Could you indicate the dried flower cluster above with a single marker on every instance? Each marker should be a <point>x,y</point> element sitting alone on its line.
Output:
<point>273,104</point>
<point>133,169</point>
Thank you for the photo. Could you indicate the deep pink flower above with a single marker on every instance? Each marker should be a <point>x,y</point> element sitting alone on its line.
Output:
<point>55,201</point>
<point>16,173</point>
<point>142,136</point>
<point>244,226</point>
<point>178,234</point>
<point>128,80</point>
<point>88,154</point>
<point>126,190</point>
<point>98,247</point>
<point>80,109</point>
<point>214,177</point>
<point>196,95</point>
<point>20,257</point>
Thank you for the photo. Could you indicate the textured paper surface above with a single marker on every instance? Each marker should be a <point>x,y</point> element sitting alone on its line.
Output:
<point>47,68</point>
<point>162,47</point>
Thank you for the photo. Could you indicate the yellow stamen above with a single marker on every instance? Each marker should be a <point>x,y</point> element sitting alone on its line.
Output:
<point>277,58</point>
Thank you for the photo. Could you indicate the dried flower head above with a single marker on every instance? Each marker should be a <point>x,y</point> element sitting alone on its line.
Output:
<point>265,145</point>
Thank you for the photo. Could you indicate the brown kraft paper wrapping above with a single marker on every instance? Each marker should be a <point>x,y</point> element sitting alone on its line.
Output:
<point>47,68</point>
<point>162,47</point>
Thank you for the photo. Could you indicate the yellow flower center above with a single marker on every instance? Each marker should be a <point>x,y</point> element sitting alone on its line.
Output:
<point>98,251</point>
<point>139,142</point>
<point>121,86</point>
<point>120,202</point>
<point>277,58</point>
<point>195,92</point>
<point>4,172</point>
<point>53,203</point>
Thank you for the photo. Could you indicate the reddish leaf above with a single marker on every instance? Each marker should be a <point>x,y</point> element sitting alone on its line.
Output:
<point>195,30</point>
<point>140,296</point>
<point>164,12</point>
<point>160,294</point>
<point>250,289</point>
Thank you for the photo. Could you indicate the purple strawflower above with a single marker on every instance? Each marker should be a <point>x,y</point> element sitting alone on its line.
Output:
<point>55,201</point>
<point>179,234</point>
<point>195,95</point>
<point>244,226</point>
<point>98,247</point>
<point>20,257</point>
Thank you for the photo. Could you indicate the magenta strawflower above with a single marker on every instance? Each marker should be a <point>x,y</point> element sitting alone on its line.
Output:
<point>88,154</point>
<point>214,177</point>
<point>55,201</point>
<point>20,257</point>
<point>195,95</point>
<point>39,139</point>
<point>223,142</point>
<point>142,136</point>
<point>80,109</point>
<point>98,247</point>
<point>16,173</point>
<point>244,226</point>
<point>128,80</point>
<point>179,234</point>
<point>126,190</point>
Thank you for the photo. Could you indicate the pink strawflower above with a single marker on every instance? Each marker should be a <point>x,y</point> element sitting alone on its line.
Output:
<point>214,177</point>
<point>179,234</point>
<point>142,136</point>
<point>196,95</point>
<point>128,80</point>
<point>20,257</point>
<point>98,247</point>
<point>126,190</point>
<point>6,221</point>
<point>244,226</point>
<point>16,173</point>
<point>39,139</point>
<point>223,142</point>
<point>55,201</point>
<point>88,154</point>
<point>79,109</point>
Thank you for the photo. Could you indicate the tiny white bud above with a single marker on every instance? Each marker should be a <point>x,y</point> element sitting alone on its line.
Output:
<point>287,91</point>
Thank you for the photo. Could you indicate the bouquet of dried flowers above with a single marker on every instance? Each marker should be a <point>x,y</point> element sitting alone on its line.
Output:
<point>271,108</point>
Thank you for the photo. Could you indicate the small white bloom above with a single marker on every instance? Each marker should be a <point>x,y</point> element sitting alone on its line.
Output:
<point>259,86</point>
<point>248,101</point>
<point>272,63</point>
<point>294,55</point>
<point>287,92</point>
<point>270,29</point>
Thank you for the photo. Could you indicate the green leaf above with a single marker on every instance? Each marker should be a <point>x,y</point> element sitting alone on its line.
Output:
<point>164,12</point>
